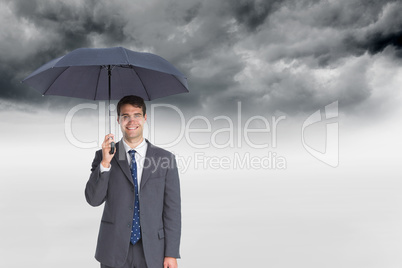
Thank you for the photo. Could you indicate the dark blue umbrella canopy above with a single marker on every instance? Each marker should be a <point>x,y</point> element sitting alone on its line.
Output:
<point>83,73</point>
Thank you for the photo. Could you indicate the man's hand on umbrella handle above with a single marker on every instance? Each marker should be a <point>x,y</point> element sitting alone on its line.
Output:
<point>106,147</point>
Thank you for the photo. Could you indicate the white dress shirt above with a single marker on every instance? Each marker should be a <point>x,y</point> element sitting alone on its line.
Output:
<point>140,152</point>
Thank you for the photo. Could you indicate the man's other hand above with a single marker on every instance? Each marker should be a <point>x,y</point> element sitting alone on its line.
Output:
<point>170,262</point>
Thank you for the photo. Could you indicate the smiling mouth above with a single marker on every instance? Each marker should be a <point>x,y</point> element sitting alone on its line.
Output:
<point>132,128</point>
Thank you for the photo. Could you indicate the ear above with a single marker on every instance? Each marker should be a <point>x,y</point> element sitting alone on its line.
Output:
<point>145,117</point>
<point>118,122</point>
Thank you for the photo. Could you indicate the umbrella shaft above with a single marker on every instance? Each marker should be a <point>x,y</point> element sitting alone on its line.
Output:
<point>109,71</point>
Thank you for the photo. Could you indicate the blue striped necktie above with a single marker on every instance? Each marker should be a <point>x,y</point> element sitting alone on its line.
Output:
<point>136,231</point>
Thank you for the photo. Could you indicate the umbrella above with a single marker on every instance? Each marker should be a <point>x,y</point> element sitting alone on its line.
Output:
<point>90,73</point>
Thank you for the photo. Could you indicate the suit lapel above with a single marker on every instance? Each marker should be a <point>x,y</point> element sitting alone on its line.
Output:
<point>149,164</point>
<point>121,159</point>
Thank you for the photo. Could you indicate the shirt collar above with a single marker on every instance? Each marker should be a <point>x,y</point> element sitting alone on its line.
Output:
<point>141,149</point>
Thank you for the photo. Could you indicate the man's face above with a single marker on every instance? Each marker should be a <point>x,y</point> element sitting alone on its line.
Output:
<point>131,122</point>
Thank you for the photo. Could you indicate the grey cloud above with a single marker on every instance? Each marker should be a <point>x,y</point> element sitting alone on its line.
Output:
<point>192,12</point>
<point>253,13</point>
<point>293,91</point>
<point>71,24</point>
<point>376,42</point>
<point>329,31</point>
<point>344,14</point>
<point>384,32</point>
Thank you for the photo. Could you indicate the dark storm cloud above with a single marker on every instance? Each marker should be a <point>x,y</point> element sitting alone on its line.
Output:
<point>253,13</point>
<point>191,13</point>
<point>278,54</point>
<point>345,14</point>
<point>308,42</point>
<point>72,24</point>
<point>385,31</point>
<point>64,27</point>
<point>377,41</point>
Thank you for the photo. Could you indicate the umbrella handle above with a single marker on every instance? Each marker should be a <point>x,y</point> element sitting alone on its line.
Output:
<point>112,147</point>
<point>112,144</point>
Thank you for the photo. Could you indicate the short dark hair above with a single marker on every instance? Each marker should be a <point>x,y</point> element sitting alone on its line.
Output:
<point>133,100</point>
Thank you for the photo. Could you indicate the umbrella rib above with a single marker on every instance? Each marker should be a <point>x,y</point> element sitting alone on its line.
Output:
<point>125,53</point>
<point>97,82</point>
<point>44,93</point>
<point>180,82</point>
<point>142,83</point>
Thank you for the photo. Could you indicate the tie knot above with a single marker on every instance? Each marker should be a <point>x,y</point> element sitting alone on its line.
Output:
<point>132,153</point>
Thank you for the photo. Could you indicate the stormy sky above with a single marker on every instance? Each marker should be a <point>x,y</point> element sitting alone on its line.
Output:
<point>275,88</point>
<point>292,56</point>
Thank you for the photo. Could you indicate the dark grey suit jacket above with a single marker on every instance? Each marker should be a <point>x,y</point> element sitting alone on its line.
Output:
<point>160,208</point>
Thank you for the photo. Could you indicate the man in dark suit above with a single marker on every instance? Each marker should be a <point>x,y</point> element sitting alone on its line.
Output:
<point>139,184</point>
